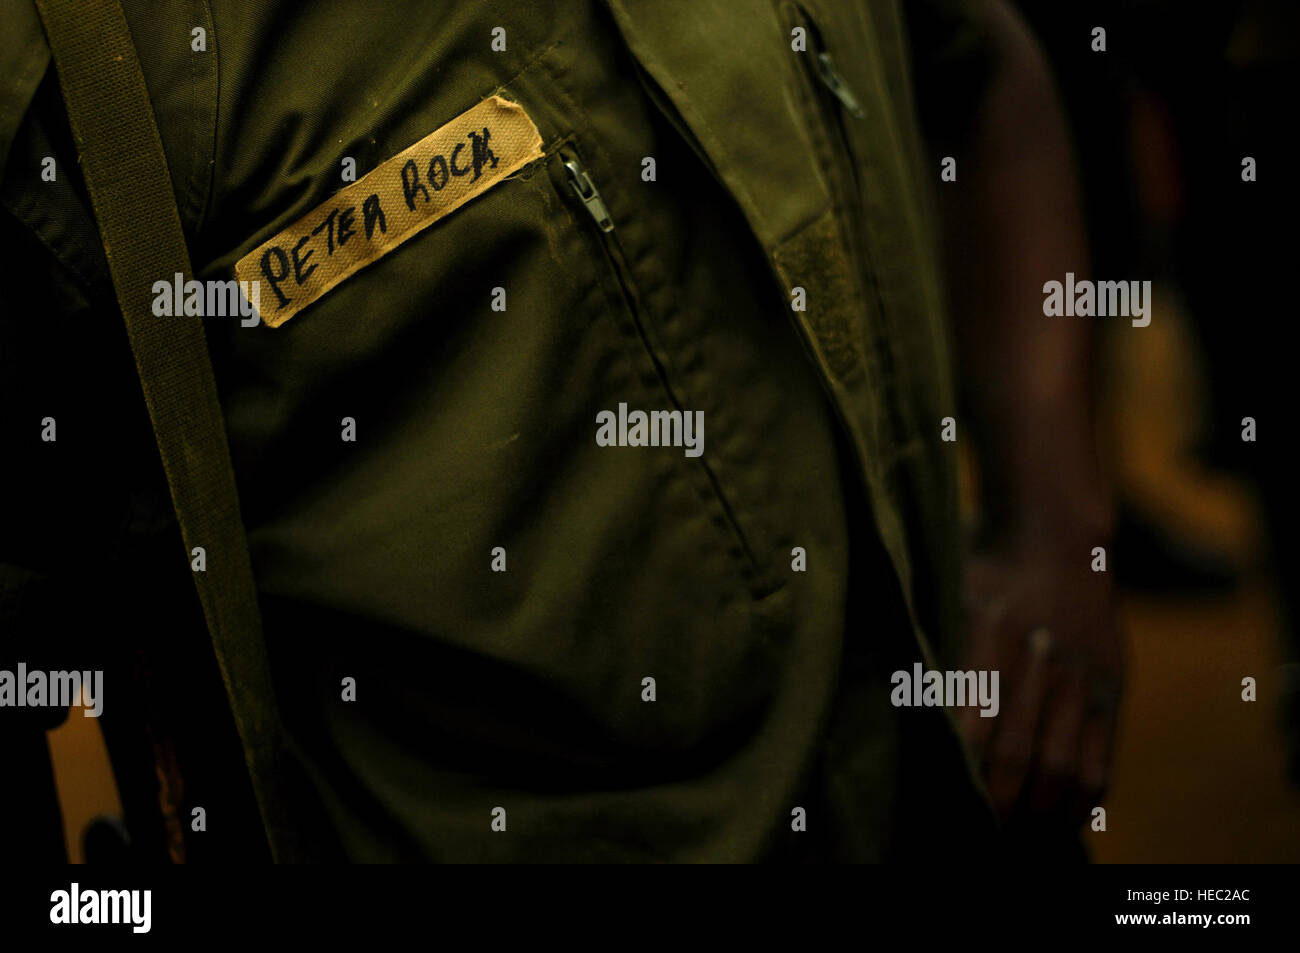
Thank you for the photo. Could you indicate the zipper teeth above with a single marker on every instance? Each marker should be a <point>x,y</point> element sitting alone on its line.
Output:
<point>834,135</point>
<point>829,77</point>
<point>857,222</point>
<point>885,350</point>
<point>614,252</point>
<point>613,249</point>
<point>835,138</point>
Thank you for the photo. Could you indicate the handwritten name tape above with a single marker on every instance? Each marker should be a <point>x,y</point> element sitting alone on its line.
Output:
<point>403,196</point>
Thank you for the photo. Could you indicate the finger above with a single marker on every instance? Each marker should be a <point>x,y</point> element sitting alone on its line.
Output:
<point>985,643</point>
<point>1095,754</point>
<point>1054,785</point>
<point>1012,748</point>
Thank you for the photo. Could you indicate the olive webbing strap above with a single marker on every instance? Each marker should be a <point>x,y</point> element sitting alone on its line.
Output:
<point>130,189</point>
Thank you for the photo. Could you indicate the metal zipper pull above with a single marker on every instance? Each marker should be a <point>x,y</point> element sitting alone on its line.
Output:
<point>586,190</point>
<point>835,83</point>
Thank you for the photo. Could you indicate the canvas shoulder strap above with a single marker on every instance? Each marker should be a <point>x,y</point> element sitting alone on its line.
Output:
<point>130,189</point>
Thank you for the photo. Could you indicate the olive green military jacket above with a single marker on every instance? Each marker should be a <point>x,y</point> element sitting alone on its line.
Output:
<point>494,637</point>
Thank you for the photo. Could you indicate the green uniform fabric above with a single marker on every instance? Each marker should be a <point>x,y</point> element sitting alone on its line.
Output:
<point>125,173</point>
<point>475,427</point>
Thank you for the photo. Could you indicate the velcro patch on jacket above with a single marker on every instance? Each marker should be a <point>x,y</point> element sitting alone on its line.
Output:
<point>406,194</point>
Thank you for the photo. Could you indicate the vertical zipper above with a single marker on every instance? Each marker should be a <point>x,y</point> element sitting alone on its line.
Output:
<point>584,188</point>
<point>827,72</point>
<point>829,125</point>
<point>834,125</point>
<point>854,217</point>
<point>829,76</point>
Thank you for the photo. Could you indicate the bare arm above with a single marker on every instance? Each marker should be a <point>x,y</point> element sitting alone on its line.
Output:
<point>1013,221</point>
